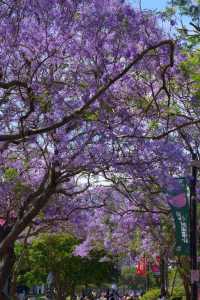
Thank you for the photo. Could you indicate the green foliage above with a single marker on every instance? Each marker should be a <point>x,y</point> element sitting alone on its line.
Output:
<point>153,124</point>
<point>143,103</point>
<point>194,39</point>
<point>54,253</point>
<point>90,116</point>
<point>191,9</point>
<point>191,69</point>
<point>178,292</point>
<point>174,109</point>
<point>187,7</point>
<point>191,64</point>
<point>19,188</point>
<point>44,101</point>
<point>169,12</point>
<point>137,240</point>
<point>151,294</point>
<point>178,289</point>
<point>10,174</point>
<point>154,293</point>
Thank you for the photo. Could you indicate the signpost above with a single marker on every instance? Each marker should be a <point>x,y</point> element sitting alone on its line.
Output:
<point>185,216</point>
<point>193,232</point>
<point>180,210</point>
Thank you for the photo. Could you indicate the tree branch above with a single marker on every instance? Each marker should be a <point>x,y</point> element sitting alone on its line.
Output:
<point>77,113</point>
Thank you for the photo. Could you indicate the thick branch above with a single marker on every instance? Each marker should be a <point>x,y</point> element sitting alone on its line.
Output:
<point>165,133</point>
<point>12,84</point>
<point>38,202</point>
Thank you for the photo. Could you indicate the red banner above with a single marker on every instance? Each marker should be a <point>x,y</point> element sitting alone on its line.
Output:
<point>141,267</point>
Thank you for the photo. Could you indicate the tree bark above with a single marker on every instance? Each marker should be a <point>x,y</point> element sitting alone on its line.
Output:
<point>60,293</point>
<point>10,232</point>
<point>6,266</point>
<point>183,270</point>
<point>60,296</point>
<point>186,284</point>
<point>187,289</point>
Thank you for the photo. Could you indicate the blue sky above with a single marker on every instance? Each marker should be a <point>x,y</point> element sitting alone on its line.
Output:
<point>157,4</point>
<point>152,4</point>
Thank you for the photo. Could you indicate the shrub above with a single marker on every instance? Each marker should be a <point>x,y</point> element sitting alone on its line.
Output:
<point>151,295</point>
<point>154,293</point>
<point>178,292</point>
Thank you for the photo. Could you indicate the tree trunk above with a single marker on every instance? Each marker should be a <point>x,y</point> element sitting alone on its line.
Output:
<point>60,297</point>
<point>61,294</point>
<point>183,270</point>
<point>187,289</point>
<point>13,289</point>
<point>6,265</point>
<point>186,285</point>
<point>10,231</point>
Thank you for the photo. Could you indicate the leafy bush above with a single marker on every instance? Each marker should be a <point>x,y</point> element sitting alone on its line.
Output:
<point>151,295</point>
<point>178,292</point>
<point>154,293</point>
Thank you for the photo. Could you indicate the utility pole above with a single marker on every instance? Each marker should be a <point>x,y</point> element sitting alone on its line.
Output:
<point>193,233</point>
<point>162,274</point>
<point>148,276</point>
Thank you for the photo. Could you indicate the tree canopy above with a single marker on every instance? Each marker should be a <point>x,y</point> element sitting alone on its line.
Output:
<point>87,89</point>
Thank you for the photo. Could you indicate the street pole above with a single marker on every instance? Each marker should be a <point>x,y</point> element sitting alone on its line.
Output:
<point>49,289</point>
<point>193,234</point>
<point>162,275</point>
<point>148,277</point>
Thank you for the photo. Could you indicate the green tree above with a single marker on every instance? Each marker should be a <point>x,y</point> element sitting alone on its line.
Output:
<point>54,253</point>
<point>189,29</point>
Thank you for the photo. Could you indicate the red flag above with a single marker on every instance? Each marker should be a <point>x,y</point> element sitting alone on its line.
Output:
<point>141,267</point>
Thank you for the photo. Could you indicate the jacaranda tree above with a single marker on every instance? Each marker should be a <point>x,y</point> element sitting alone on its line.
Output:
<point>76,77</point>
